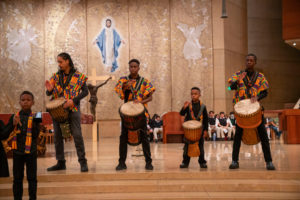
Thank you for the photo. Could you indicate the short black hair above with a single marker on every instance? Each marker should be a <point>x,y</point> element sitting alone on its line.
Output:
<point>27,92</point>
<point>231,113</point>
<point>108,20</point>
<point>253,55</point>
<point>134,60</point>
<point>196,88</point>
<point>211,112</point>
<point>222,113</point>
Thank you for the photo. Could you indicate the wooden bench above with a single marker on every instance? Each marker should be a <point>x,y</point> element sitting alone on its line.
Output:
<point>172,126</point>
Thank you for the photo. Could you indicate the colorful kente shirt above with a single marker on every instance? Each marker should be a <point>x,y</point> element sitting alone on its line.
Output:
<point>141,89</point>
<point>71,89</point>
<point>248,87</point>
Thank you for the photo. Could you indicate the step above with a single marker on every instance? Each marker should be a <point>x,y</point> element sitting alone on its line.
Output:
<point>171,196</point>
<point>125,186</point>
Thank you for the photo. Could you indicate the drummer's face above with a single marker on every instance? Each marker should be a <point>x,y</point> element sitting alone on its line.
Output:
<point>26,102</point>
<point>134,68</point>
<point>62,64</point>
<point>250,62</point>
<point>195,94</point>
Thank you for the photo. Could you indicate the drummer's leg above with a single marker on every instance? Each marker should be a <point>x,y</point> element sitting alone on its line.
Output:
<point>201,159</point>
<point>262,133</point>
<point>146,145</point>
<point>58,142</point>
<point>237,143</point>
<point>186,158</point>
<point>77,136</point>
<point>123,145</point>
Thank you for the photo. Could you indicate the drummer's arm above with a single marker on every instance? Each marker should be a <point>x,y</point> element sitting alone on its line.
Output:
<point>8,128</point>
<point>262,94</point>
<point>205,120</point>
<point>233,85</point>
<point>148,99</point>
<point>84,92</point>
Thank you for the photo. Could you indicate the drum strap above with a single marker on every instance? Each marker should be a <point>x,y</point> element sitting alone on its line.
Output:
<point>61,79</point>
<point>199,114</point>
<point>250,83</point>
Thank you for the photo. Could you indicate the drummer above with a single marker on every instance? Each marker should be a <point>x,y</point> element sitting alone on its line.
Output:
<point>138,89</point>
<point>70,84</point>
<point>195,110</point>
<point>250,84</point>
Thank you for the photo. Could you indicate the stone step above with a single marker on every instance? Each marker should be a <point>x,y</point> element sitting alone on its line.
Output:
<point>157,186</point>
<point>171,196</point>
<point>218,175</point>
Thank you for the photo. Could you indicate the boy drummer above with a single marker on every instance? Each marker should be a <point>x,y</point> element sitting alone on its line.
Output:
<point>195,110</point>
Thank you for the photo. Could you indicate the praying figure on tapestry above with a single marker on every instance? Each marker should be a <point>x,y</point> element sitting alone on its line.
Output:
<point>109,42</point>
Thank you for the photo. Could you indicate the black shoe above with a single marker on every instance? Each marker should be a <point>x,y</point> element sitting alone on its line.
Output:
<point>149,166</point>
<point>156,140</point>
<point>203,165</point>
<point>84,167</point>
<point>60,165</point>
<point>184,165</point>
<point>234,165</point>
<point>121,166</point>
<point>270,166</point>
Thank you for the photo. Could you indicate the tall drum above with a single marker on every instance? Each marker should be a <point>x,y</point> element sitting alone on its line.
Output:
<point>134,119</point>
<point>192,133</point>
<point>248,116</point>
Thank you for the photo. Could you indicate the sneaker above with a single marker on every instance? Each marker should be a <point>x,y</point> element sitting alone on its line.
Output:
<point>270,166</point>
<point>84,167</point>
<point>149,166</point>
<point>234,165</point>
<point>121,166</point>
<point>60,165</point>
<point>203,165</point>
<point>184,165</point>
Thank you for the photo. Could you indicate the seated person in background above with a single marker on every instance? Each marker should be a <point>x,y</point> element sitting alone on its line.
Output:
<point>212,126</point>
<point>157,124</point>
<point>272,125</point>
<point>149,131</point>
<point>232,124</point>
<point>224,124</point>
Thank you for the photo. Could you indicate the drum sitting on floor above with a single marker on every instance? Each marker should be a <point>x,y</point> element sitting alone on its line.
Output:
<point>60,115</point>
<point>134,119</point>
<point>248,116</point>
<point>192,133</point>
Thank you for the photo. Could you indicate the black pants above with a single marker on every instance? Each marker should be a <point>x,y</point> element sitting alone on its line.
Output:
<point>262,133</point>
<point>77,136</point>
<point>18,170</point>
<point>186,158</point>
<point>144,140</point>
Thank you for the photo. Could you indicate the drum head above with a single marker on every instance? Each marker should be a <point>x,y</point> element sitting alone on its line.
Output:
<point>132,109</point>
<point>55,103</point>
<point>192,124</point>
<point>245,107</point>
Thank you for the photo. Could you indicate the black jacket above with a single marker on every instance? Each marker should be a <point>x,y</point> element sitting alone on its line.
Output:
<point>4,172</point>
<point>21,138</point>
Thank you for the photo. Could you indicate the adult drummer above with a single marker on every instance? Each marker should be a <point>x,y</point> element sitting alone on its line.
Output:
<point>250,84</point>
<point>138,89</point>
<point>70,84</point>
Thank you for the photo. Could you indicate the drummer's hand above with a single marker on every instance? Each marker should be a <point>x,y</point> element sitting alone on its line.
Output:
<point>16,120</point>
<point>186,104</point>
<point>49,86</point>
<point>136,101</point>
<point>68,103</point>
<point>242,76</point>
<point>253,99</point>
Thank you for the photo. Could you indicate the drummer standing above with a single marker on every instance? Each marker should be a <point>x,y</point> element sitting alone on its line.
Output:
<point>70,84</point>
<point>138,89</point>
<point>195,110</point>
<point>250,84</point>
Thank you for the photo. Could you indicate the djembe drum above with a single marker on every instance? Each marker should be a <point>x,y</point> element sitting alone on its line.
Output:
<point>248,116</point>
<point>134,119</point>
<point>60,115</point>
<point>192,134</point>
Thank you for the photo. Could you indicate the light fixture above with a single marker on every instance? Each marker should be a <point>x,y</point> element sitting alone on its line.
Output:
<point>294,44</point>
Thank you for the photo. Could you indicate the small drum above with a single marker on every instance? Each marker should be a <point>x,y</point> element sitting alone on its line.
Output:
<point>60,115</point>
<point>248,116</point>
<point>192,133</point>
<point>133,118</point>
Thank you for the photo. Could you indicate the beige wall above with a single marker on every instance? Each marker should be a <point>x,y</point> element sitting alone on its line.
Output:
<point>229,47</point>
<point>277,60</point>
<point>157,32</point>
